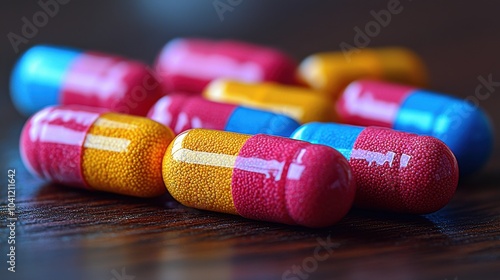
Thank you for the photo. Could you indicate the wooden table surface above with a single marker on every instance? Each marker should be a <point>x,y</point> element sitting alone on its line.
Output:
<point>63,233</point>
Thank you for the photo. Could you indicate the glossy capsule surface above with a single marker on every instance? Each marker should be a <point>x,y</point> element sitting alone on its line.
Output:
<point>259,177</point>
<point>190,64</point>
<point>330,72</point>
<point>50,75</point>
<point>89,148</point>
<point>393,170</point>
<point>181,112</point>
<point>302,104</point>
<point>464,127</point>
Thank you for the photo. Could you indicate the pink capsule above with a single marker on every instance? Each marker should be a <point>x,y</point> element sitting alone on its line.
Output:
<point>190,64</point>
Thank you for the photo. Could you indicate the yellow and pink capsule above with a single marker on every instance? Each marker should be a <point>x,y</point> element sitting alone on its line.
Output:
<point>94,149</point>
<point>259,177</point>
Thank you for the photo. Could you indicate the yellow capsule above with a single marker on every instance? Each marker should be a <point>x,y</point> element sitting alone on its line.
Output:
<point>303,104</point>
<point>330,72</point>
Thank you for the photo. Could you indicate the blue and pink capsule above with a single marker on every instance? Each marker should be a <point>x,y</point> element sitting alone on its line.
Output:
<point>393,170</point>
<point>463,127</point>
<point>181,112</point>
<point>49,75</point>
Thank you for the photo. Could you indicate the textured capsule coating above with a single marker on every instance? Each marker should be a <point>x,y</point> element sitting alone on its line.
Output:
<point>198,167</point>
<point>94,149</point>
<point>47,75</point>
<point>263,163</point>
<point>393,170</point>
<point>302,104</point>
<point>330,72</point>
<point>190,64</point>
<point>123,154</point>
<point>462,126</point>
<point>409,173</point>
<point>291,182</point>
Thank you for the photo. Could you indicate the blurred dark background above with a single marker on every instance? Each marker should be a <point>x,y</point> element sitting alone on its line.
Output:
<point>458,41</point>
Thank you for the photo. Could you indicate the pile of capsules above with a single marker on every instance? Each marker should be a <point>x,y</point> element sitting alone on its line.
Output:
<point>258,135</point>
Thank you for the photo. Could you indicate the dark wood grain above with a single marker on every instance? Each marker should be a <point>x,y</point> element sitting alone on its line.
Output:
<point>70,234</point>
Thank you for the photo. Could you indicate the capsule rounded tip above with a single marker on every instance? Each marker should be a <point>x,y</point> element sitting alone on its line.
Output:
<point>438,178</point>
<point>19,91</point>
<point>216,89</point>
<point>472,141</point>
<point>28,144</point>
<point>325,191</point>
<point>35,79</point>
<point>51,141</point>
<point>281,125</point>
<point>310,72</point>
<point>421,179</point>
